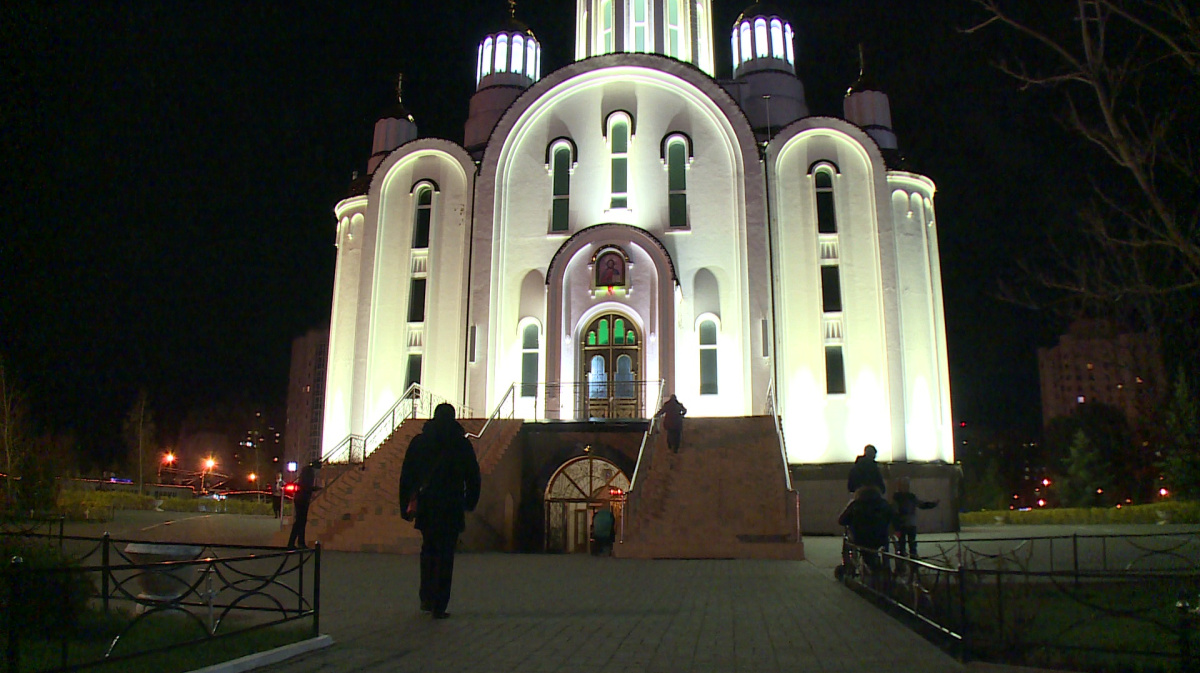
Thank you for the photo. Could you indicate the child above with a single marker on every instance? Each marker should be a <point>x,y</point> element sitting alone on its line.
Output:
<point>906,506</point>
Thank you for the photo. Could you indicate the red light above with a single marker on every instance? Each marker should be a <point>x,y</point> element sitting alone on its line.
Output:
<point>290,487</point>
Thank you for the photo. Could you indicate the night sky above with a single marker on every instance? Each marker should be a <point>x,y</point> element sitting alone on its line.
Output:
<point>170,171</point>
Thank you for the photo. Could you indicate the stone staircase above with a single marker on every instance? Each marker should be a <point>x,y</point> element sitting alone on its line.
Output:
<point>722,496</point>
<point>359,511</point>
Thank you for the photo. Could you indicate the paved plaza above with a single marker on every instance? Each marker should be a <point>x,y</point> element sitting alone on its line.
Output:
<point>539,613</point>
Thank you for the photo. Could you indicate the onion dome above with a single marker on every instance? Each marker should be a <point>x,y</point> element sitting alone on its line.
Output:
<point>867,106</point>
<point>395,127</point>
<point>762,40</point>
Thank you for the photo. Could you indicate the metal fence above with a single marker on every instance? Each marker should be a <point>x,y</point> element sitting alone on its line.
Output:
<point>122,588</point>
<point>1094,602</point>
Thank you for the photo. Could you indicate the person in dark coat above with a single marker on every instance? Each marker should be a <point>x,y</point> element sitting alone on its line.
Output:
<point>305,487</point>
<point>868,517</point>
<point>673,412</point>
<point>906,503</point>
<point>865,472</point>
<point>440,479</point>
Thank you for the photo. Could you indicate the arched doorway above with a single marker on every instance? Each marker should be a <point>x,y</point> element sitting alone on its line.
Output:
<point>611,362</point>
<point>580,488</point>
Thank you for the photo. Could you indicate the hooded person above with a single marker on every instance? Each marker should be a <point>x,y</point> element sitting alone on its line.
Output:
<point>439,483</point>
<point>865,472</point>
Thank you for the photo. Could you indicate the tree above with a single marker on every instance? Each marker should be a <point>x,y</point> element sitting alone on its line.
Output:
<point>1127,73</point>
<point>14,433</point>
<point>1181,443</point>
<point>1086,473</point>
<point>139,432</point>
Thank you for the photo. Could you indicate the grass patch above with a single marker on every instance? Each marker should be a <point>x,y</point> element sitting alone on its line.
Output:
<point>99,505</point>
<point>1165,512</point>
<point>1039,623</point>
<point>94,633</point>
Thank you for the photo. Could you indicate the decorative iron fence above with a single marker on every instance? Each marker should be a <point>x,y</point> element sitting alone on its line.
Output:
<point>1088,602</point>
<point>112,599</point>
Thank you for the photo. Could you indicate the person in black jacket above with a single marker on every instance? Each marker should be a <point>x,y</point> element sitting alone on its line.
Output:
<point>865,472</point>
<point>869,518</point>
<point>440,481</point>
<point>906,504</point>
<point>305,487</point>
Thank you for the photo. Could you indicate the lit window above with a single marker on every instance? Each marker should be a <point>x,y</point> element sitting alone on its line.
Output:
<point>674,30</point>
<point>487,59</point>
<point>479,64</point>
<point>747,47</point>
<point>606,25</point>
<point>677,182</point>
<point>531,54</point>
<point>787,31</point>
<point>560,209</point>
<point>760,37</point>
<point>776,39</point>
<point>619,139</point>
<point>1081,399</point>
<point>518,54</point>
<point>708,357</point>
<point>502,53</point>
<point>641,26</point>
<point>733,44</point>
<point>529,361</point>
<point>422,216</point>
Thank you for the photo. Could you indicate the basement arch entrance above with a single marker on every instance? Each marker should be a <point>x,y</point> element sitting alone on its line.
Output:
<point>579,489</point>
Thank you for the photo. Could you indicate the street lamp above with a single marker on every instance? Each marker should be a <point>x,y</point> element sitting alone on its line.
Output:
<point>209,464</point>
<point>168,460</point>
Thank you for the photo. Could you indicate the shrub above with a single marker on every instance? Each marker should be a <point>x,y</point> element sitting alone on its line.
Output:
<point>1166,512</point>
<point>51,597</point>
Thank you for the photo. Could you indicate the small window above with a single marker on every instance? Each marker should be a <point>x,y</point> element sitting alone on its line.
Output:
<point>414,370</point>
<point>619,137</point>
<point>826,215</point>
<point>831,290</point>
<point>835,371</point>
<point>674,30</point>
<point>529,361</point>
<point>641,26</point>
<point>416,301</point>
<point>760,38</point>
<point>422,216</point>
<point>502,53</point>
<point>518,55</point>
<point>776,39</point>
<point>677,183</point>
<point>708,358</point>
<point>486,61</point>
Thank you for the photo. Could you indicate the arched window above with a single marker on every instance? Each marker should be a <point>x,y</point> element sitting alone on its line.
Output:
<point>486,61</point>
<point>747,47</point>
<point>674,30</point>
<point>641,26</point>
<point>776,39</point>
<point>760,37</point>
<point>422,215</point>
<point>677,159</point>
<point>618,137</point>
<point>624,377</point>
<point>530,342</point>
<point>597,378</point>
<point>606,25</point>
<point>826,215</point>
<point>531,54</point>
<point>733,45</point>
<point>708,357</point>
<point>518,55</point>
<point>502,53</point>
<point>562,158</point>
<point>787,32</point>
<point>479,64</point>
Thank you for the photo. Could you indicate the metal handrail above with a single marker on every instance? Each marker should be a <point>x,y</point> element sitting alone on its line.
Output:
<point>496,412</point>
<point>787,474</point>
<point>662,389</point>
<point>367,442</point>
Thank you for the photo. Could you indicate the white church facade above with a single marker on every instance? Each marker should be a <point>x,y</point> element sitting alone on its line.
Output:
<point>628,227</point>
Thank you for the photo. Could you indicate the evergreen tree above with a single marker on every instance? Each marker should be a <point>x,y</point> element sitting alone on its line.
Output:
<point>1181,464</point>
<point>1087,472</point>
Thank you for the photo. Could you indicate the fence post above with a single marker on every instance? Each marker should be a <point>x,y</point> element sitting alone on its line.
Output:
<point>15,583</point>
<point>963,627</point>
<point>1075,556</point>
<point>104,574</point>
<point>316,624</point>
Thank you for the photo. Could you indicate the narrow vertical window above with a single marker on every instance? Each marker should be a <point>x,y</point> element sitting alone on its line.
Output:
<point>835,371</point>
<point>518,55</point>
<point>531,59</point>
<point>502,53</point>
<point>747,47</point>
<point>416,300</point>
<point>529,361</point>
<point>422,216</point>
<point>733,45</point>
<point>760,38</point>
<point>831,290</point>
<point>776,39</point>
<point>708,358</point>
<point>471,344</point>
<point>826,215</point>
<point>641,26</point>
<point>766,340</point>
<point>674,30</point>
<point>787,32</point>
<point>414,370</point>
<point>606,25</point>
<point>619,137</point>
<point>478,64</point>
<point>486,63</point>
<point>561,206</point>
<point>677,182</point>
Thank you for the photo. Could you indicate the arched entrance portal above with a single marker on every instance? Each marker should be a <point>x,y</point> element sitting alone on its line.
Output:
<point>580,488</point>
<point>612,365</point>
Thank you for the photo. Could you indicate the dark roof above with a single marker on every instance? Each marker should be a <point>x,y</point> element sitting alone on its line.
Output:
<point>360,185</point>
<point>760,9</point>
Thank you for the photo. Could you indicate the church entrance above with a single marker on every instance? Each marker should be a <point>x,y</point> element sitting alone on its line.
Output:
<point>612,365</point>
<point>579,489</point>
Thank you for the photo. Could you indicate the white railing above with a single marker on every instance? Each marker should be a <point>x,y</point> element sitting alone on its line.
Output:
<point>416,402</point>
<point>787,473</point>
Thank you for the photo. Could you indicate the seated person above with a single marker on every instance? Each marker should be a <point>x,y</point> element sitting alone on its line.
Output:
<point>868,517</point>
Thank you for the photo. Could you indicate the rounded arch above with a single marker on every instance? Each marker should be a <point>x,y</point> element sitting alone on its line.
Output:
<point>706,293</point>
<point>578,488</point>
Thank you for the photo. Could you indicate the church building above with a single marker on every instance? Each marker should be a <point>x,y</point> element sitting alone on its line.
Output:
<point>644,222</point>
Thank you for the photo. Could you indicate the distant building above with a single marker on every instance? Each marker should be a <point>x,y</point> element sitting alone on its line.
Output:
<point>306,397</point>
<point>1095,363</point>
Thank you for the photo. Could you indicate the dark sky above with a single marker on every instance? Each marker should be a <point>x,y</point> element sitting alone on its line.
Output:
<point>171,168</point>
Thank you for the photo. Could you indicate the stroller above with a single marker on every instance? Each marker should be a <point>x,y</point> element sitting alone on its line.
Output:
<point>857,561</point>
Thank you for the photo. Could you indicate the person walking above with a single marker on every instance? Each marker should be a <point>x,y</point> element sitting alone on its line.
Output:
<point>865,472</point>
<point>305,487</point>
<point>439,483</point>
<point>673,412</point>
<point>868,518</point>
